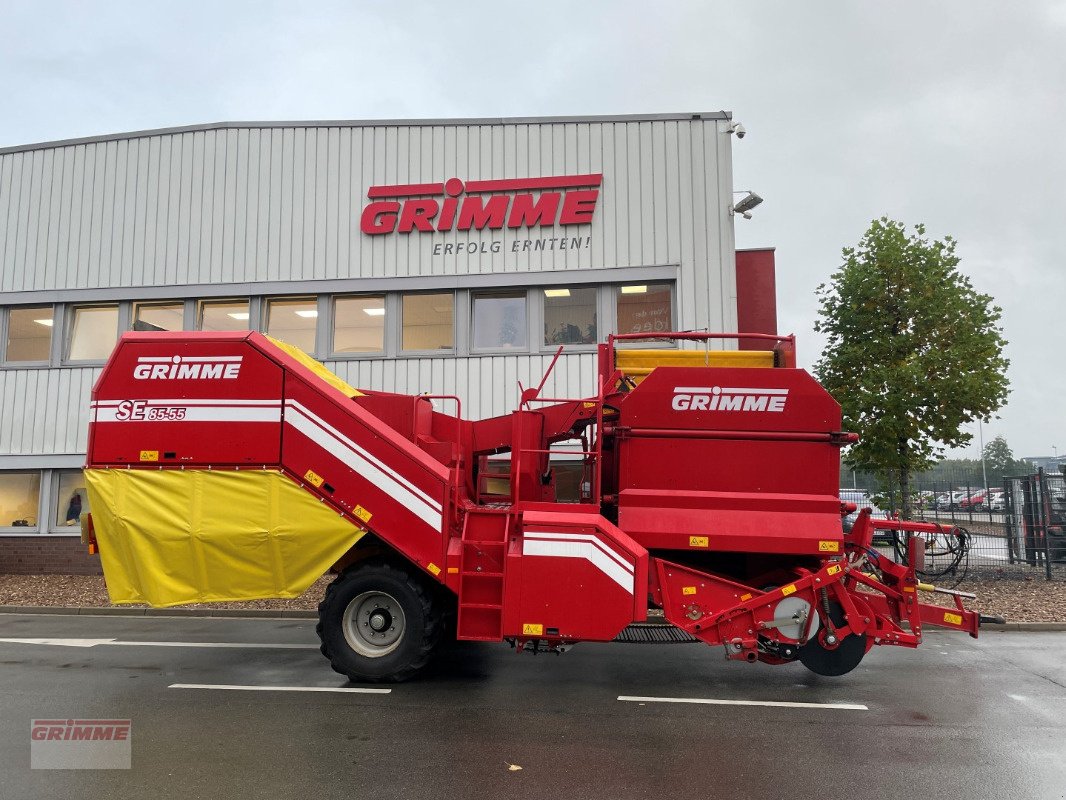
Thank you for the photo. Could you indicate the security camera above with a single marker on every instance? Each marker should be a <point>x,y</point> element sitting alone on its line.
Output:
<point>738,129</point>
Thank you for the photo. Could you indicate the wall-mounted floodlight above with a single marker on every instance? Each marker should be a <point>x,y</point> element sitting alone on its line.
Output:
<point>746,204</point>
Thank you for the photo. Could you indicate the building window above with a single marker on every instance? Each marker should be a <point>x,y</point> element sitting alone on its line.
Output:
<point>645,308</point>
<point>20,494</point>
<point>293,322</point>
<point>93,333</point>
<point>223,315</point>
<point>71,500</point>
<point>570,316</point>
<point>359,324</point>
<point>500,321</point>
<point>428,321</point>
<point>29,334</point>
<point>159,317</point>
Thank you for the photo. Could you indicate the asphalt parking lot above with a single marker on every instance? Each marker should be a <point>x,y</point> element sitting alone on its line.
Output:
<point>957,718</point>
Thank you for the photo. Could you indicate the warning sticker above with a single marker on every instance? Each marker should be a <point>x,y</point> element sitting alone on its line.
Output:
<point>699,541</point>
<point>953,619</point>
<point>149,455</point>
<point>532,629</point>
<point>433,568</point>
<point>313,478</point>
<point>833,570</point>
<point>787,590</point>
<point>688,590</point>
<point>362,513</point>
<point>828,547</point>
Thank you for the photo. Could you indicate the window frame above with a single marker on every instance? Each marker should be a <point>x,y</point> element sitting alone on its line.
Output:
<point>614,291</point>
<point>123,313</point>
<point>53,479</point>
<point>196,324</point>
<point>525,349</point>
<point>5,326</point>
<point>331,326</point>
<point>599,305</point>
<point>264,317</point>
<point>449,351</point>
<point>136,305</point>
<point>42,495</point>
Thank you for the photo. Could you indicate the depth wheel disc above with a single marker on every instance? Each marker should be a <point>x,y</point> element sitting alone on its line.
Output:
<point>840,660</point>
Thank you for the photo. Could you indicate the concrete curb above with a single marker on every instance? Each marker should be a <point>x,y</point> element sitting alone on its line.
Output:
<point>109,611</point>
<point>267,613</point>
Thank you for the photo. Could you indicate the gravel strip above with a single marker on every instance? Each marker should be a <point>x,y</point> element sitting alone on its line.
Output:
<point>1029,599</point>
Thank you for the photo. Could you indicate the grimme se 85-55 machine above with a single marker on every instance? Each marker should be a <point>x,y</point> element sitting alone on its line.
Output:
<point>230,466</point>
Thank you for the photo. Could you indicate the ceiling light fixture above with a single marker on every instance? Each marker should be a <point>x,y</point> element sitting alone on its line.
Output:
<point>556,292</point>
<point>374,312</point>
<point>634,289</point>
<point>46,322</point>
<point>309,313</point>
<point>237,314</point>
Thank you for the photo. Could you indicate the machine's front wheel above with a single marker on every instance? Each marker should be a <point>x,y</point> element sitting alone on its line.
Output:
<point>836,661</point>
<point>379,621</point>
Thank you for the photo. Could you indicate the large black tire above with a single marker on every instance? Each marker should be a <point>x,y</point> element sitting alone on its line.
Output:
<point>379,621</point>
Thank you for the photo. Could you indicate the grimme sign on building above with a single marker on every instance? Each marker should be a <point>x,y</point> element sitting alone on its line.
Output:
<point>563,200</point>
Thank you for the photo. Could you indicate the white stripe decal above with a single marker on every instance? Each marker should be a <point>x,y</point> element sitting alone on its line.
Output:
<point>202,414</point>
<point>726,390</point>
<point>189,359</point>
<point>182,401</point>
<point>368,470</point>
<point>585,550</point>
<point>293,404</point>
<point>581,537</point>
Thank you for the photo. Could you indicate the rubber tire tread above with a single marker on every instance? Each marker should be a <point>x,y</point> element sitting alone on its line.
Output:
<point>424,620</point>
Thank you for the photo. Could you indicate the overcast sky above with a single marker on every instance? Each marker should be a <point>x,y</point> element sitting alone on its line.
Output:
<point>951,114</point>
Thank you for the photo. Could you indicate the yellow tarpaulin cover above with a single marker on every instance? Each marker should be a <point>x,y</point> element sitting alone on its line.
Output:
<point>169,537</point>
<point>316,367</point>
<point>639,363</point>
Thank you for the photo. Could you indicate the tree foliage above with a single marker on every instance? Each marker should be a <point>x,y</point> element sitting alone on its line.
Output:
<point>1000,461</point>
<point>914,352</point>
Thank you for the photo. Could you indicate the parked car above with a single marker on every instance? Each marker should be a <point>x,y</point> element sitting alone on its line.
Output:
<point>974,501</point>
<point>862,500</point>
<point>950,500</point>
<point>997,501</point>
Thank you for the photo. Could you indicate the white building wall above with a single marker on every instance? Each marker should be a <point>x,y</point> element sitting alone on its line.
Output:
<point>208,211</point>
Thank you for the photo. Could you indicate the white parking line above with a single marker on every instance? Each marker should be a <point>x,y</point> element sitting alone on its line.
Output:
<point>770,703</point>
<point>239,688</point>
<point>116,642</point>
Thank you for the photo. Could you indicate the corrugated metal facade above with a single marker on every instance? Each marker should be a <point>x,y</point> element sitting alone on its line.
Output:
<point>156,213</point>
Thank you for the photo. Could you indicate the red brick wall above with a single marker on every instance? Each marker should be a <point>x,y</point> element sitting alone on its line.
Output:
<point>45,554</point>
<point>756,295</point>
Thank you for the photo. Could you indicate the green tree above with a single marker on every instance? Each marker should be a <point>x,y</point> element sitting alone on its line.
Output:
<point>914,352</point>
<point>999,460</point>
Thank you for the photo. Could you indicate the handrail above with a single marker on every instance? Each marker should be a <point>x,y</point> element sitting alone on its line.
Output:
<point>786,345</point>
<point>699,336</point>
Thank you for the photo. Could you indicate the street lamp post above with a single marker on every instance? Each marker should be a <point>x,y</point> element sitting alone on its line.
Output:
<point>984,469</point>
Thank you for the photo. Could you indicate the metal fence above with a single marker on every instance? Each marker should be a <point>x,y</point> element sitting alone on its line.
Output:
<point>1016,528</point>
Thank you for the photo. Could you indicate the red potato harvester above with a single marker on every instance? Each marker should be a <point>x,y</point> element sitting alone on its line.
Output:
<point>230,466</point>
